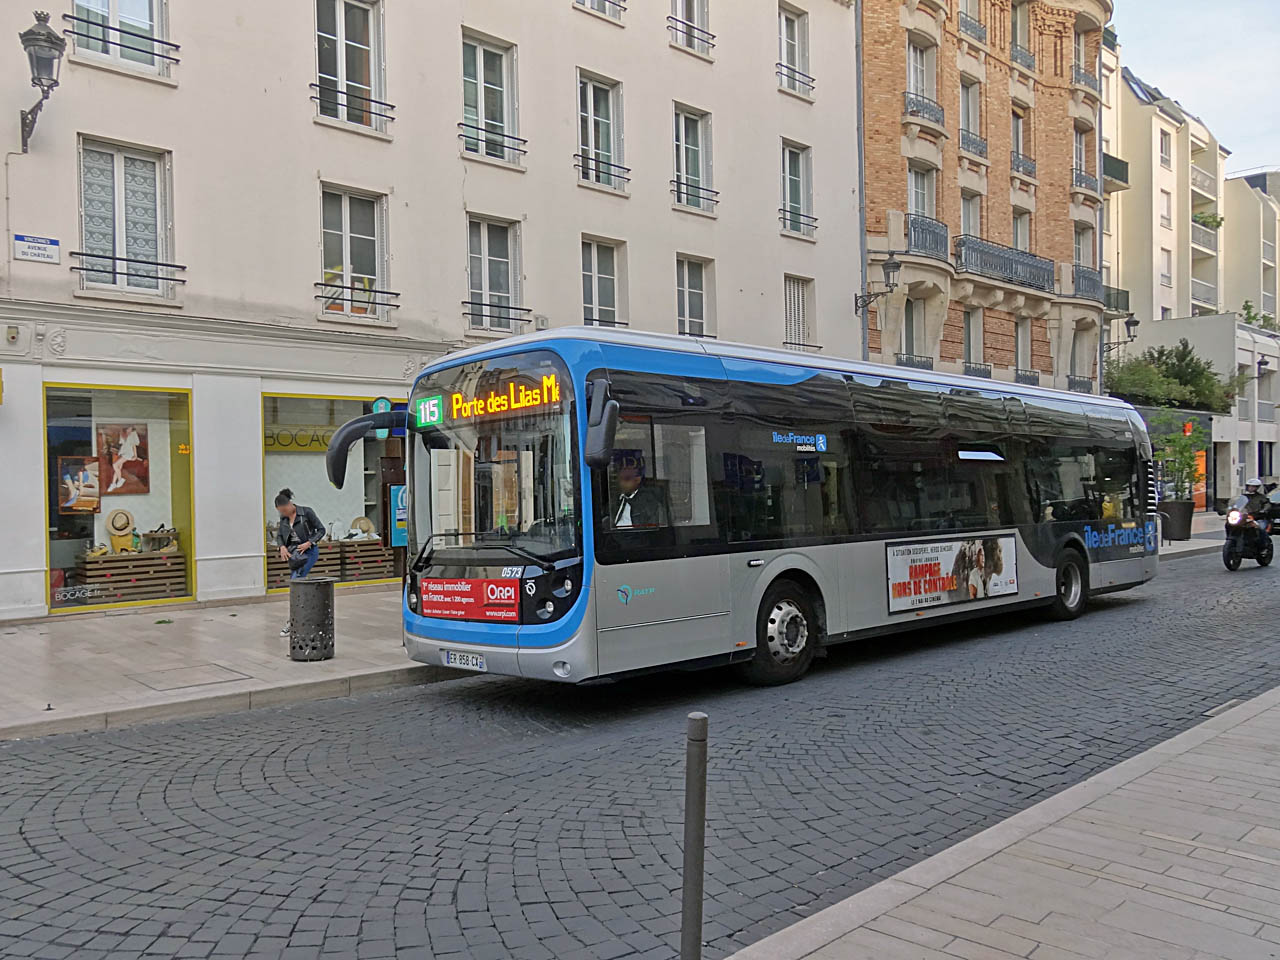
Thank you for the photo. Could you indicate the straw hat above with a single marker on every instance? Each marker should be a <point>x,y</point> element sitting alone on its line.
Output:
<point>363,524</point>
<point>120,522</point>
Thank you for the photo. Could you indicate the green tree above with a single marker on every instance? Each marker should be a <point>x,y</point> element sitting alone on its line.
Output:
<point>1264,320</point>
<point>1138,380</point>
<point>1178,450</point>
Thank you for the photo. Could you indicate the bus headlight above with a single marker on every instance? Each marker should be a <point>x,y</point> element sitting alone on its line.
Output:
<point>413,599</point>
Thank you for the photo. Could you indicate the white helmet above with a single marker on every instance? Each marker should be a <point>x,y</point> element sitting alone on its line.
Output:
<point>1252,485</point>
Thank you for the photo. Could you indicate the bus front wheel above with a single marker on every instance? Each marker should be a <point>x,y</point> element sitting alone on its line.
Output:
<point>1071,579</point>
<point>787,632</point>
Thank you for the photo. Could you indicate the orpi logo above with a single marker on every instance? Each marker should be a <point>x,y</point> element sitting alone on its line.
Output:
<point>500,593</point>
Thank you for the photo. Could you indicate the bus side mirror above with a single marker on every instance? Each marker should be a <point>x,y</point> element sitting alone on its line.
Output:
<point>602,426</point>
<point>335,458</point>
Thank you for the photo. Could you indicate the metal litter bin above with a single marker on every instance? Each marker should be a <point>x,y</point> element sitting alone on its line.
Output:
<point>311,618</point>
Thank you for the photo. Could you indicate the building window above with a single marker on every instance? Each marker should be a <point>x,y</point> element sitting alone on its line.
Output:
<point>972,336</point>
<point>348,62</point>
<point>124,219</point>
<point>1166,313</point>
<point>600,132</point>
<point>1081,151</point>
<point>971,214</point>
<point>1020,25</point>
<point>920,71</point>
<point>970,106</point>
<point>1022,343</point>
<point>793,51</point>
<point>1022,229</point>
<point>796,294</point>
<point>692,183</point>
<point>610,8</point>
<point>912,340</point>
<point>1082,60</point>
<point>1166,267</point>
<point>690,25</point>
<point>1166,149</point>
<point>599,283</point>
<point>921,191</point>
<point>493,274</point>
<point>1106,215</point>
<point>353,254</point>
<point>1018,130</point>
<point>692,315</point>
<point>131,32</point>
<point>489,125</point>
<point>797,190</point>
<point>1083,247</point>
<point>1166,209</point>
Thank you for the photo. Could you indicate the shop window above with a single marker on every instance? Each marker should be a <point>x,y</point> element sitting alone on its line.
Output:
<point>364,521</point>
<point>119,496</point>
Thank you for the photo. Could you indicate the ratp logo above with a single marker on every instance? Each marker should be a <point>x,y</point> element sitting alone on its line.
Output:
<point>624,595</point>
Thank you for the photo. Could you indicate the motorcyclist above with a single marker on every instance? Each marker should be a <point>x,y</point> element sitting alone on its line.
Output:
<point>1259,506</point>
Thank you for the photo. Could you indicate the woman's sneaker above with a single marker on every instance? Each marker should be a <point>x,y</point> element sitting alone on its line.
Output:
<point>287,628</point>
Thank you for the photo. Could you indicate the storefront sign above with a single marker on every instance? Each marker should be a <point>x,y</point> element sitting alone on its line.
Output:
<point>39,249</point>
<point>943,572</point>
<point>400,515</point>
<point>296,438</point>
<point>512,398</point>
<point>496,600</point>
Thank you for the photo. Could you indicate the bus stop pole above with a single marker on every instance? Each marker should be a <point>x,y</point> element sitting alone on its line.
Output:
<point>695,833</point>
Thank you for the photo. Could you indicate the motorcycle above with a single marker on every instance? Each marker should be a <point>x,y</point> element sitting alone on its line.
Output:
<point>1247,538</point>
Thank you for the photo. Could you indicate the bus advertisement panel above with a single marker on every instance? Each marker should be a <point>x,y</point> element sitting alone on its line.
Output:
<point>943,572</point>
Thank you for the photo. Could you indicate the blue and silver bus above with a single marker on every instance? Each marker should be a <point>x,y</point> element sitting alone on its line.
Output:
<point>591,503</point>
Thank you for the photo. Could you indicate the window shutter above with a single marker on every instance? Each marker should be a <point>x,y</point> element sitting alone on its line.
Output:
<point>808,180</point>
<point>802,34</point>
<point>705,124</point>
<point>619,132</point>
<point>797,310</point>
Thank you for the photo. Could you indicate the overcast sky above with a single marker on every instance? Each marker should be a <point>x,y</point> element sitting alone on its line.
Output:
<point>1220,60</point>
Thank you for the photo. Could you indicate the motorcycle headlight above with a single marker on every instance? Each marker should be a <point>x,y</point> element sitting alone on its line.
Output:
<point>1234,517</point>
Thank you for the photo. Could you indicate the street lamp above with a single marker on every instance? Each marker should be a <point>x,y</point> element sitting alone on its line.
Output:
<point>891,267</point>
<point>1263,363</point>
<point>44,49</point>
<point>1131,328</point>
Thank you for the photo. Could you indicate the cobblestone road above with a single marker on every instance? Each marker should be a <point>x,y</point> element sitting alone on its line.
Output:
<point>493,818</point>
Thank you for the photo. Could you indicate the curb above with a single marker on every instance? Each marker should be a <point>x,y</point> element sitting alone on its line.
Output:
<point>812,934</point>
<point>278,695</point>
<point>1192,552</point>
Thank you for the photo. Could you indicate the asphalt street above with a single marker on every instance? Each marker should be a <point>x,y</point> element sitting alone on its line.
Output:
<point>494,818</point>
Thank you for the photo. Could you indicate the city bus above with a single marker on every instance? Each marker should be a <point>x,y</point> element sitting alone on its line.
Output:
<point>592,503</point>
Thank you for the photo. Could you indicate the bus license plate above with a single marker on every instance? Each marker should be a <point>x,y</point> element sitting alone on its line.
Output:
<point>465,661</point>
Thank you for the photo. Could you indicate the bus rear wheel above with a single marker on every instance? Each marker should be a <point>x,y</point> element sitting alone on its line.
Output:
<point>1071,579</point>
<point>787,632</point>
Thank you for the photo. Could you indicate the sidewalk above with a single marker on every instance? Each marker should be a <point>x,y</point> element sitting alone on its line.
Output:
<point>110,670</point>
<point>1171,855</point>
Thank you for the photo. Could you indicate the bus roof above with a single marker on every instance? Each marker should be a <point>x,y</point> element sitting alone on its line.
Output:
<point>743,351</point>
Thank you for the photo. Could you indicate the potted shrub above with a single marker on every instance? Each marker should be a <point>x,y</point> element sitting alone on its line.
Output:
<point>1177,448</point>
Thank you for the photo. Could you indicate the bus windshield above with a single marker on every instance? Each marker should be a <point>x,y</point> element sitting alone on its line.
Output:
<point>491,466</point>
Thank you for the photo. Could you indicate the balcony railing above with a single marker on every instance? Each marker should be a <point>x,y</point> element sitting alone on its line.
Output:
<point>975,255</point>
<point>918,105</point>
<point>970,142</point>
<point>1084,78</point>
<point>1022,56</point>
<point>344,105</point>
<point>1202,236</point>
<point>689,194</point>
<point>973,27</point>
<point>89,33</point>
<point>132,273</point>
<point>1115,299</point>
<point>594,170</point>
<point>1115,170</point>
<point>1269,304</point>
<point>972,369</point>
<point>690,35</point>
<point>1204,292</point>
<point>795,79</point>
<point>1030,378</point>
<point>927,236</point>
<point>355,298</point>
<point>613,9</point>
<point>1266,411</point>
<point>796,221</point>
<point>1088,282</point>
<point>1269,251</point>
<point>1204,181</point>
<point>1244,409</point>
<point>913,360</point>
<point>491,142</point>
<point>1023,164</point>
<point>1085,180</point>
<point>1080,384</point>
<point>495,316</point>
<point>801,346</point>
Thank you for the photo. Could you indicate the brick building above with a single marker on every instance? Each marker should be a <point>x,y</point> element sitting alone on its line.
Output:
<point>983,178</point>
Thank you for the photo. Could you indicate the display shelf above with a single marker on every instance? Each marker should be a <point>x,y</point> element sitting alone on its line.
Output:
<point>367,560</point>
<point>328,564</point>
<point>129,577</point>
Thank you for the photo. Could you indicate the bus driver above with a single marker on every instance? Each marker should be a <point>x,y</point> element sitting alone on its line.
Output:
<point>639,504</point>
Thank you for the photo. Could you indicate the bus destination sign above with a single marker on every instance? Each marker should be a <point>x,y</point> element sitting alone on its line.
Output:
<point>468,599</point>
<point>513,397</point>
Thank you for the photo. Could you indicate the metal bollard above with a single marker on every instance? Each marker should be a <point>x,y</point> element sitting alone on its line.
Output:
<point>695,836</point>
<point>311,618</point>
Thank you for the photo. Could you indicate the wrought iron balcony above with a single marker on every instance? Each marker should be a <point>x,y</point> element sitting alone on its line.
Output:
<point>918,105</point>
<point>972,369</point>
<point>1084,78</point>
<point>975,255</point>
<point>1023,164</point>
<point>1204,181</point>
<point>794,79</point>
<point>973,27</point>
<point>1088,282</point>
<point>687,34</point>
<point>1030,378</point>
<point>1022,56</point>
<point>1085,180</point>
<point>1204,292</point>
<point>1115,299</point>
<point>970,142</point>
<point>1115,172</point>
<point>913,360</point>
<point>1080,384</point>
<point>1203,236</point>
<point>927,236</point>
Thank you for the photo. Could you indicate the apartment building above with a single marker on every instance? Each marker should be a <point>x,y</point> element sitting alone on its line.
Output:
<point>232,238</point>
<point>984,179</point>
<point>1249,236</point>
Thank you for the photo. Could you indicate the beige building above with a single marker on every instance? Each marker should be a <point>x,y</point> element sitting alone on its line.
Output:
<point>984,166</point>
<point>1249,236</point>
<point>230,239</point>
